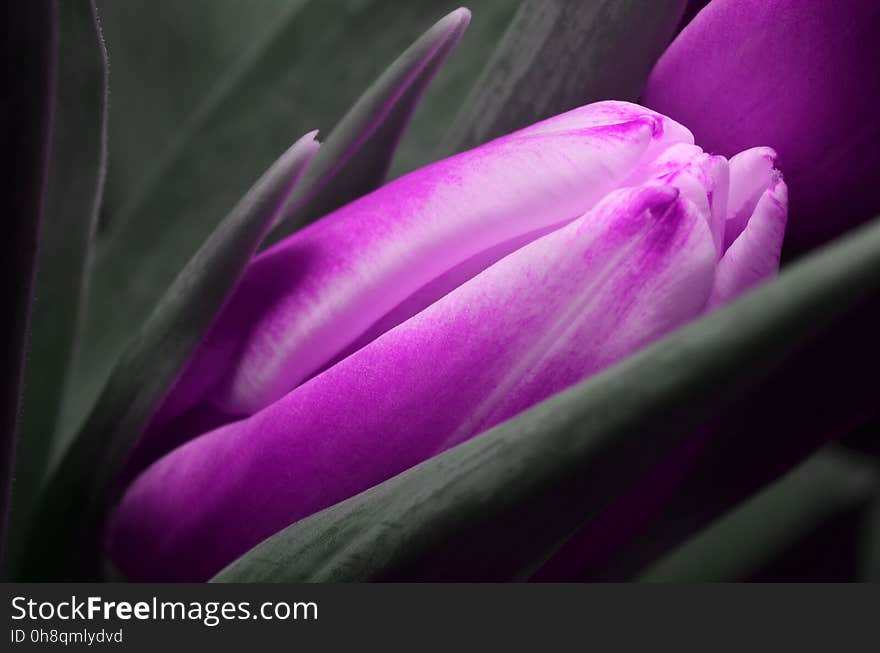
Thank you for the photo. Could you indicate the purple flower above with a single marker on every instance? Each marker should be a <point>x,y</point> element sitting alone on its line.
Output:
<point>432,309</point>
<point>797,75</point>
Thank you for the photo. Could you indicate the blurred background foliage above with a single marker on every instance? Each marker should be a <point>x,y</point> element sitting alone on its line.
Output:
<point>173,61</point>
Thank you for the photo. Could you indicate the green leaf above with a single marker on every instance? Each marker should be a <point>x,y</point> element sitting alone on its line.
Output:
<point>66,538</point>
<point>301,74</point>
<point>73,197</point>
<point>730,549</point>
<point>560,54</point>
<point>30,51</point>
<point>504,501</point>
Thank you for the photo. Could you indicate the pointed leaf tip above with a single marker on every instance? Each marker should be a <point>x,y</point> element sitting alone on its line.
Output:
<point>458,19</point>
<point>357,154</point>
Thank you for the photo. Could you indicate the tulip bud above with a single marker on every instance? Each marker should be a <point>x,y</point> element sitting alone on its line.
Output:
<point>797,75</point>
<point>431,310</point>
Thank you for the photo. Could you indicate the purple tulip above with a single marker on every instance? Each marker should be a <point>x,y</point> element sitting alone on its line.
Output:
<point>432,309</point>
<point>797,75</point>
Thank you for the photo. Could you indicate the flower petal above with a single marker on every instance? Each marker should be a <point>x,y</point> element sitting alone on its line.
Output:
<point>702,178</point>
<point>339,283</point>
<point>560,308</point>
<point>369,256</point>
<point>751,173</point>
<point>797,75</point>
<point>754,255</point>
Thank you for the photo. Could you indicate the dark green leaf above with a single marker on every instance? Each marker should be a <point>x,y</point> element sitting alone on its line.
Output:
<point>866,441</point>
<point>30,53</point>
<point>66,540</point>
<point>560,54</point>
<point>301,74</point>
<point>492,506</point>
<point>733,547</point>
<point>818,393</point>
<point>73,196</point>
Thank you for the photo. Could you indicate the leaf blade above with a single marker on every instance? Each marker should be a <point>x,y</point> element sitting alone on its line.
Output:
<point>729,549</point>
<point>32,41</point>
<point>81,487</point>
<point>73,197</point>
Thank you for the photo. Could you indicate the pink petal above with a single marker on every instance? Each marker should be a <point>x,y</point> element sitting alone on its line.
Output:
<point>336,285</point>
<point>754,256</point>
<point>556,310</point>
<point>702,178</point>
<point>369,256</point>
<point>751,173</point>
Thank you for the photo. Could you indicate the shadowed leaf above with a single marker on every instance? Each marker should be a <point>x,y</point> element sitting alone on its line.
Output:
<point>732,548</point>
<point>30,51</point>
<point>815,395</point>
<point>73,197</point>
<point>871,545</point>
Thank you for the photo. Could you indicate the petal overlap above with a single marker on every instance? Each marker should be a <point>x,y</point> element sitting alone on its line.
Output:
<point>433,309</point>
